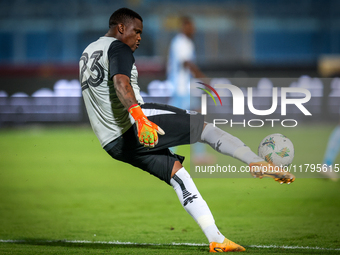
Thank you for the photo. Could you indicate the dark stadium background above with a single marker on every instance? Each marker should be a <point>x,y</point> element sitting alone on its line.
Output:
<point>41,42</point>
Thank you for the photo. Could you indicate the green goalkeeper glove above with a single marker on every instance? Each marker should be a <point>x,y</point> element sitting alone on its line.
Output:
<point>147,130</point>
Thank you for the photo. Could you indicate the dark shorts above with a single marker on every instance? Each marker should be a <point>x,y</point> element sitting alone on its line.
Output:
<point>180,127</point>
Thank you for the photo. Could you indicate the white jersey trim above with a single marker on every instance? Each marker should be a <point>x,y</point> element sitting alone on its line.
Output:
<point>154,112</point>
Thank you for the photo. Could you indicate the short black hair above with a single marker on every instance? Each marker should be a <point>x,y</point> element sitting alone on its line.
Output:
<point>123,15</point>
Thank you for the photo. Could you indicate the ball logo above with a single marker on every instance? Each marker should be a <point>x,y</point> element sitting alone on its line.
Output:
<point>269,158</point>
<point>283,152</point>
<point>269,143</point>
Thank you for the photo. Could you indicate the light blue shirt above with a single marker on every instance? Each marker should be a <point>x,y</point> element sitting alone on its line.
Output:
<point>182,49</point>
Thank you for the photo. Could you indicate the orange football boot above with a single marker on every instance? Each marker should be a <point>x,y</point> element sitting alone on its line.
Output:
<point>264,169</point>
<point>226,246</point>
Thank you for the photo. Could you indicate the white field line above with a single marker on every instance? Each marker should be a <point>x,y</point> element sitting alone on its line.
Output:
<point>166,244</point>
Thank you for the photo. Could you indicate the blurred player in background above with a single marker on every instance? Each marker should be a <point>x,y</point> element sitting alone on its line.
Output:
<point>127,127</point>
<point>332,150</point>
<point>181,68</point>
<point>181,65</point>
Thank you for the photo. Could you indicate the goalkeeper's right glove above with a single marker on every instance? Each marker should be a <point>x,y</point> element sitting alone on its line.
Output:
<point>147,130</point>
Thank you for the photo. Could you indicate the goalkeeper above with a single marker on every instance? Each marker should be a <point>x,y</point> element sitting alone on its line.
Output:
<point>140,133</point>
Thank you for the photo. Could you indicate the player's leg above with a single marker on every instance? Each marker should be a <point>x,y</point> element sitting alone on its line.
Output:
<point>167,166</point>
<point>230,145</point>
<point>188,127</point>
<point>195,205</point>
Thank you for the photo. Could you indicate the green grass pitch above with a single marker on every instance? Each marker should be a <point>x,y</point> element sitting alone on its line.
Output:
<point>57,184</point>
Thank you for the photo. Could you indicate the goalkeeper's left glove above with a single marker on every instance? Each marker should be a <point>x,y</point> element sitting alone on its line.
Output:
<point>147,130</point>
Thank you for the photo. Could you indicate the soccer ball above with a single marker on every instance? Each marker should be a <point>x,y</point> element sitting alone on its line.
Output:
<point>277,149</point>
